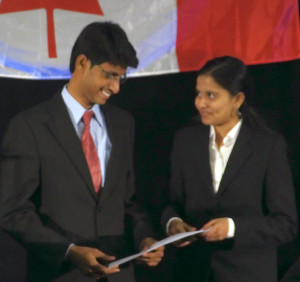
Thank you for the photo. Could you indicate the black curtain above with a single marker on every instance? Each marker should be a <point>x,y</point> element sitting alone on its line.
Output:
<point>161,105</point>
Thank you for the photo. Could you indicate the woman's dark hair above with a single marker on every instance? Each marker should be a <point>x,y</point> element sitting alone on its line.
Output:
<point>104,42</point>
<point>232,74</point>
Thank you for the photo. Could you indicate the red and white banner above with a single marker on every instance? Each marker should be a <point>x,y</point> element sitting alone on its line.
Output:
<point>36,36</point>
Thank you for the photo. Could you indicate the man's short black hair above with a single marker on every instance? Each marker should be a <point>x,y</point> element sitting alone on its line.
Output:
<point>104,42</point>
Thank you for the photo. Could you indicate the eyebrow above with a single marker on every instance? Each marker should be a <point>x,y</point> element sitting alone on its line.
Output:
<point>115,73</point>
<point>206,91</point>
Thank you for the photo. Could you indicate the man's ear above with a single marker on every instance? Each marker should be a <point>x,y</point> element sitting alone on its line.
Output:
<point>81,62</point>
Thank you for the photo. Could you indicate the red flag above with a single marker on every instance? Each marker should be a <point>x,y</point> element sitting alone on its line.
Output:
<point>256,31</point>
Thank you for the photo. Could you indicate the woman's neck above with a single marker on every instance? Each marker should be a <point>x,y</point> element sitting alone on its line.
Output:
<point>223,129</point>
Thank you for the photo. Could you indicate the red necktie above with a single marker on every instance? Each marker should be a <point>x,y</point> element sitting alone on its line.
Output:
<point>90,151</point>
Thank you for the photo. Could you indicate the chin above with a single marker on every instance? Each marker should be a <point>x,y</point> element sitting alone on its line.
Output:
<point>102,102</point>
<point>206,122</point>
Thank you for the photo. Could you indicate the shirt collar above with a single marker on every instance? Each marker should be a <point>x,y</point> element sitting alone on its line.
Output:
<point>231,136</point>
<point>77,110</point>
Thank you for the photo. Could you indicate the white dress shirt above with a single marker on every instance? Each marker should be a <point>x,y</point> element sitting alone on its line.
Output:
<point>218,158</point>
<point>97,129</point>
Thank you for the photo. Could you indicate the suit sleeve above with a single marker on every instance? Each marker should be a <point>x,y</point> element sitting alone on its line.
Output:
<point>19,193</point>
<point>176,196</point>
<point>279,224</point>
<point>136,215</point>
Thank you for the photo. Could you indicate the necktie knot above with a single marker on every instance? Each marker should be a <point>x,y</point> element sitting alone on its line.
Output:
<point>87,116</point>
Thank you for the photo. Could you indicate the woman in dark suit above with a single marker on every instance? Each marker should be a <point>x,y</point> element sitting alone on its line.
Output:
<point>230,177</point>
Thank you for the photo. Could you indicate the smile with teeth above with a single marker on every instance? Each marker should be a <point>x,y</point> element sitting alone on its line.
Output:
<point>106,93</point>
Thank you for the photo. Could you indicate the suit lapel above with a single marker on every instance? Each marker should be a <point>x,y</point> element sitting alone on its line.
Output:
<point>201,149</point>
<point>63,131</point>
<point>240,153</point>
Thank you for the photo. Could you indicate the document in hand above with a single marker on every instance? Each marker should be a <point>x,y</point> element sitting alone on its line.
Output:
<point>158,244</point>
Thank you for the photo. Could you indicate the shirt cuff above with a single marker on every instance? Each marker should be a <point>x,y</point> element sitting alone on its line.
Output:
<point>67,252</point>
<point>169,221</point>
<point>231,228</point>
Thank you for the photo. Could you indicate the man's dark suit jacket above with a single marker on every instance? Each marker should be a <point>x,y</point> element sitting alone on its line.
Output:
<point>256,191</point>
<point>47,199</point>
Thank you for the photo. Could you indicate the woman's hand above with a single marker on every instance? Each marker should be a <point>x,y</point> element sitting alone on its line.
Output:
<point>217,229</point>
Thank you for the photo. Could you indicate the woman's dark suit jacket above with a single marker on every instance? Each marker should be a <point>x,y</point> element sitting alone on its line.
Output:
<point>256,191</point>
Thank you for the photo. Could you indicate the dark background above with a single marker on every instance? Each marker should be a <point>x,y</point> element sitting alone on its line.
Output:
<point>161,105</point>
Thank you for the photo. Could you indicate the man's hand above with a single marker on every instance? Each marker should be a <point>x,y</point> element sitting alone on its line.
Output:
<point>154,257</point>
<point>86,260</point>
<point>218,229</point>
<point>178,226</point>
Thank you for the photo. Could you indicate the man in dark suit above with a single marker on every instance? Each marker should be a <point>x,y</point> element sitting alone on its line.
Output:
<point>67,179</point>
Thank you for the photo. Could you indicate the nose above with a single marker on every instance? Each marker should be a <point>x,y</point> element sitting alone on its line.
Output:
<point>200,102</point>
<point>114,86</point>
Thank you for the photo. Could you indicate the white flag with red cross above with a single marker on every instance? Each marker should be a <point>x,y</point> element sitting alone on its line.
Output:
<point>36,36</point>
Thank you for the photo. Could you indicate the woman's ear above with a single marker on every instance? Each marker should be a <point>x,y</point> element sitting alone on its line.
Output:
<point>240,98</point>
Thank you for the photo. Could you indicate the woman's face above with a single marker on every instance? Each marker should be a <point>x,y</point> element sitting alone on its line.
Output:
<point>215,104</point>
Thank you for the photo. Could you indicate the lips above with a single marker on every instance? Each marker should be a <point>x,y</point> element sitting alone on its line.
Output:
<point>204,114</point>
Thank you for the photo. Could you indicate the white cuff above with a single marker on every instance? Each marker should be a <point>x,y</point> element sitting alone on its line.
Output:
<point>67,252</point>
<point>231,228</point>
<point>169,221</point>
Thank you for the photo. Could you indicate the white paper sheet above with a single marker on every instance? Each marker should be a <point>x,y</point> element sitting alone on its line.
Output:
<point>158,244</point>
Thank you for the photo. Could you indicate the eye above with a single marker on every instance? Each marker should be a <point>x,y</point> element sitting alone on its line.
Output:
<point>198,93</point>
<point>113,75</point>
<point>211,95</point>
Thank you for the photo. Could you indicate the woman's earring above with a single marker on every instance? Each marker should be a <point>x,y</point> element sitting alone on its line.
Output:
<point>239,113</point>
